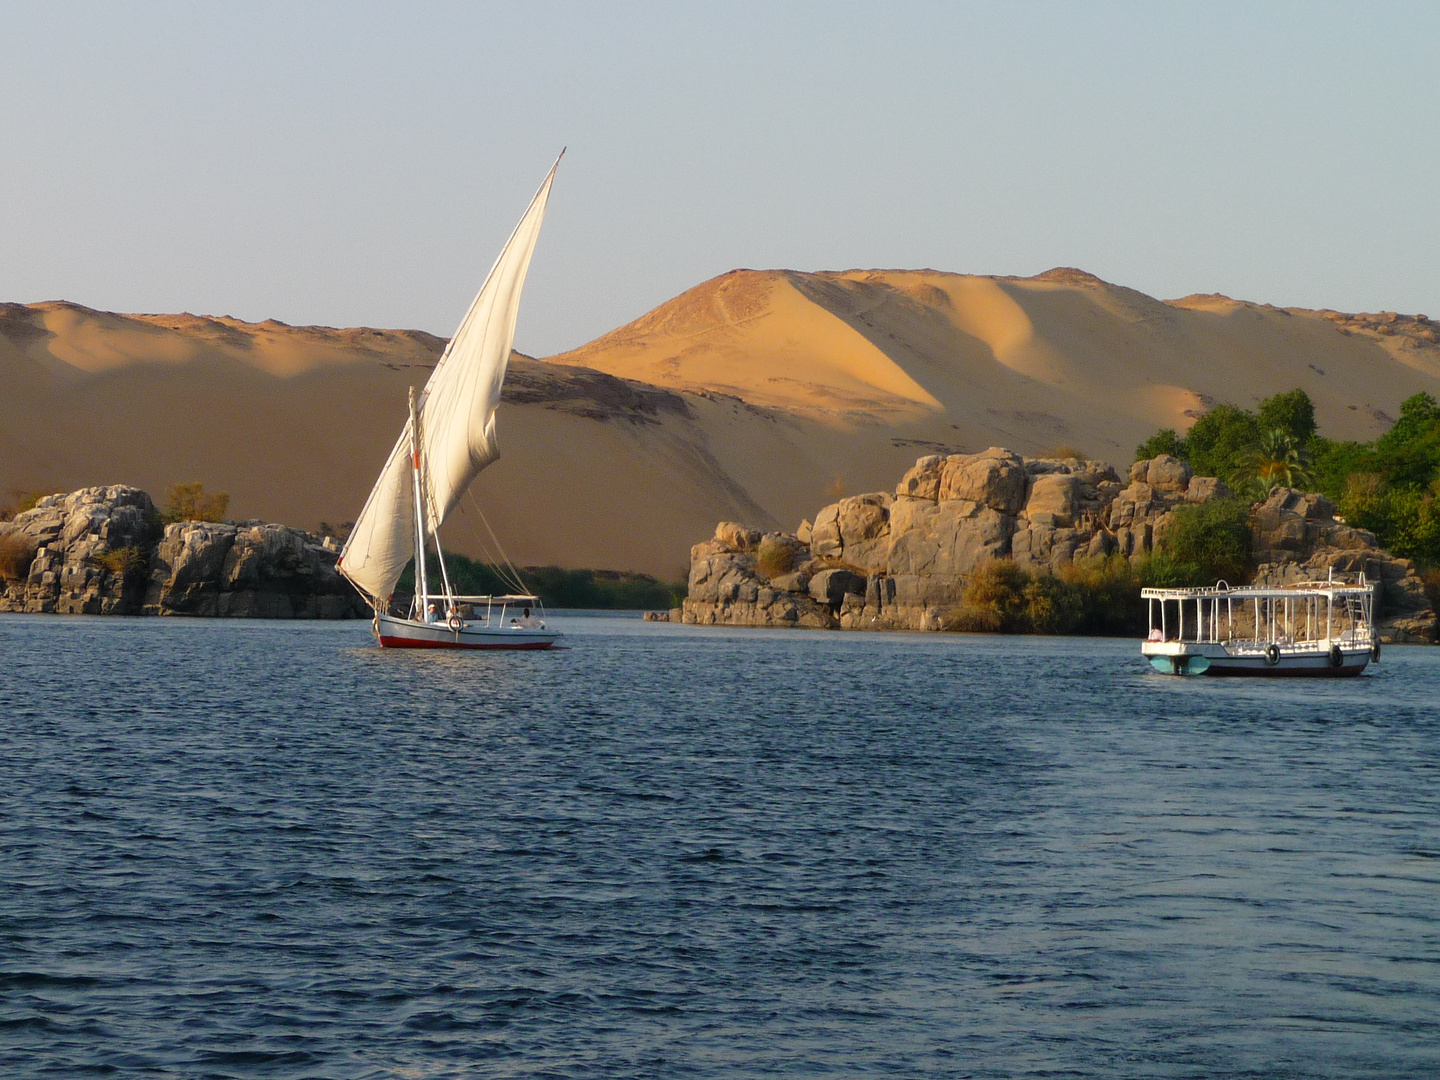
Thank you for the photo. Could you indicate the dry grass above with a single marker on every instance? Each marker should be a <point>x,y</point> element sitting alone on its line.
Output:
<point>1091,596</point>
<point>188,502</point>
<point>22,501</point>
<point>773,558</point>
<point>16,555</point>
<point>123,561</point>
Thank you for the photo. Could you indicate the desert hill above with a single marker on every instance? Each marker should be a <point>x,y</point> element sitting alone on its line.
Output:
<point>1061,357</point>
<point>754,396</point>
<point>294,422</point>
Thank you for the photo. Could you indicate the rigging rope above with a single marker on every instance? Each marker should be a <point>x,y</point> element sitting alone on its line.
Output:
<point>513,579</point>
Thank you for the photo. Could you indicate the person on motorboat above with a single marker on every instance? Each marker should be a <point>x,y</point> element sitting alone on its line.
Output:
<point>528,621</point>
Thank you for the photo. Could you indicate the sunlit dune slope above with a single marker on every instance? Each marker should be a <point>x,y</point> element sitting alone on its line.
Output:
<point>1025,362</point>
<point>758,395</point>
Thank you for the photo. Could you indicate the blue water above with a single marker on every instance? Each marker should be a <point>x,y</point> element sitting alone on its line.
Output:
<point>267,849</point>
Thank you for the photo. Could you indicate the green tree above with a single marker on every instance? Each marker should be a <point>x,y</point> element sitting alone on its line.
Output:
<point>1292,413</point>
<point>1220,438</point>
<point>1164,441</point>
<point>1276,460</point>
<point>1207,542</point>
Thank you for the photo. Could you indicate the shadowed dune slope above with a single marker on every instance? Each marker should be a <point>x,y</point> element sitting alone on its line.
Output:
<point>295,423</point>
<point>758,395</point>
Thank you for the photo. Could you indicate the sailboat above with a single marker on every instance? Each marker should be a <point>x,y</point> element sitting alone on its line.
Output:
<point>447,440</point>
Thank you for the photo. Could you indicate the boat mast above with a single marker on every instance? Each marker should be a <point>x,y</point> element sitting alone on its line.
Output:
<point>422,585</point>
<point>422,575</point>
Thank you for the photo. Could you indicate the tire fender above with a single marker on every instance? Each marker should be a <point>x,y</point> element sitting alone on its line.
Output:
<point>1272,655</point>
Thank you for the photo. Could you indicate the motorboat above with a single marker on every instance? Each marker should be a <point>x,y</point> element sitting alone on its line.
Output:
<point>1313,628</point>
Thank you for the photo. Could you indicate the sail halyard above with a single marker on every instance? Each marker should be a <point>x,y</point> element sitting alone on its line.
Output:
<point>451,435</point>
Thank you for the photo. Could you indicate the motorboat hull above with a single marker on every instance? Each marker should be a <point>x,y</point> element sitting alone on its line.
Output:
<point>1209,658</point>
<point>393,633</point>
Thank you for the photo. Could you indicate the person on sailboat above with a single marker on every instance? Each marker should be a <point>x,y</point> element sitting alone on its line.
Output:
<point>529,622</point>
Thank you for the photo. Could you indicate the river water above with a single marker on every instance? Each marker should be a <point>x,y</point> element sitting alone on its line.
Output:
<point>266,849</point>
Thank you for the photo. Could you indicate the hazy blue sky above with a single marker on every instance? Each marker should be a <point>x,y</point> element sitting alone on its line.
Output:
<point>359,163</point>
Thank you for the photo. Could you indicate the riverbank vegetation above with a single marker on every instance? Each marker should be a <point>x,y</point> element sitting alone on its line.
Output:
<point>558,586</point>
<point>1101,596</point>
<point>1390,486</point>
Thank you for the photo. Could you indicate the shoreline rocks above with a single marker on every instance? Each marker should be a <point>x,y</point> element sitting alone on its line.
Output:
<point>105,551</point>
<point>902,561</point>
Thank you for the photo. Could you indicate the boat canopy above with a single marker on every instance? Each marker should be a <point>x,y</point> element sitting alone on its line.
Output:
<point>1332,589</point>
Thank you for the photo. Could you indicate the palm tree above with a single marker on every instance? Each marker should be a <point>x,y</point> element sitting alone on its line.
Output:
<point>1277,460</point>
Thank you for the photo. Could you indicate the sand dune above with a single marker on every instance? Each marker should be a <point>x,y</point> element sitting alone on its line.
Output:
<point>1028,362</point>
<point>758,395</point>
<point>294,423</point>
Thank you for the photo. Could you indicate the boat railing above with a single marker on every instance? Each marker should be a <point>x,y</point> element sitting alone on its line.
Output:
<point>1304,616</point>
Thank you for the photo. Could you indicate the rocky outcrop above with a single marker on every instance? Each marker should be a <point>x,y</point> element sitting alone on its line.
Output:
<point>902,560</point>
<point>104,551</point>
<point>1298,538</point>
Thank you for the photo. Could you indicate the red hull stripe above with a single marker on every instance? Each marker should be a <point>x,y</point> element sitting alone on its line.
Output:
<point>411,643</point>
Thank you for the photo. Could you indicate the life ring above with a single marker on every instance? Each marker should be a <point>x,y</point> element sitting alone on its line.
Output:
<point>455,622</point>
<point>1272,655</point>
<point>1375,652</point>
<point>1337,658</point>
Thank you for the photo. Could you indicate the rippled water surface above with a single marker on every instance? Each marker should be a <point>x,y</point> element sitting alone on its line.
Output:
<point>261,849</point>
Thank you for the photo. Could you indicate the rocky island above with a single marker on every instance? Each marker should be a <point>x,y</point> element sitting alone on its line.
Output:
<point>106,551</point>
<point>903,560</point>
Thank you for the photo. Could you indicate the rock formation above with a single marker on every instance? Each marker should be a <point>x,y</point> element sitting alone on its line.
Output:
<point>104,551</point>
<point>901,561</point>
<point>1298,538</point>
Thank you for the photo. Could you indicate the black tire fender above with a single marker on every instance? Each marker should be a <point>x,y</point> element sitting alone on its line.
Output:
<point>1337,658</point>
<point>1272,655</point>
<point>1375,652</point>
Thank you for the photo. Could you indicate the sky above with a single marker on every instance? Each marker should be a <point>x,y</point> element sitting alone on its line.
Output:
<point>362,164</point>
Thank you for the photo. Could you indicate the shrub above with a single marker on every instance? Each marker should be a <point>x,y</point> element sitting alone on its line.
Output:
<point>1091,596</point>
<point>1208,541</point>
<point>16,555</point>
<point>1405,520</point>
<point>774,557</point>
<point>1164,441</point>
<point>188,502</point>
<point>123,561</point>
<point>24,500</point>
<point>1109,590</point>
<point>1052,606</point>
<point>994,600</point>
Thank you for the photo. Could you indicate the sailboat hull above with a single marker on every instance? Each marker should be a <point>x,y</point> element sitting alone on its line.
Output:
<point>393,633</point>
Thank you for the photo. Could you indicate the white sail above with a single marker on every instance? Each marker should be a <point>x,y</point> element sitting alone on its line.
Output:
<point>457,421</point>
